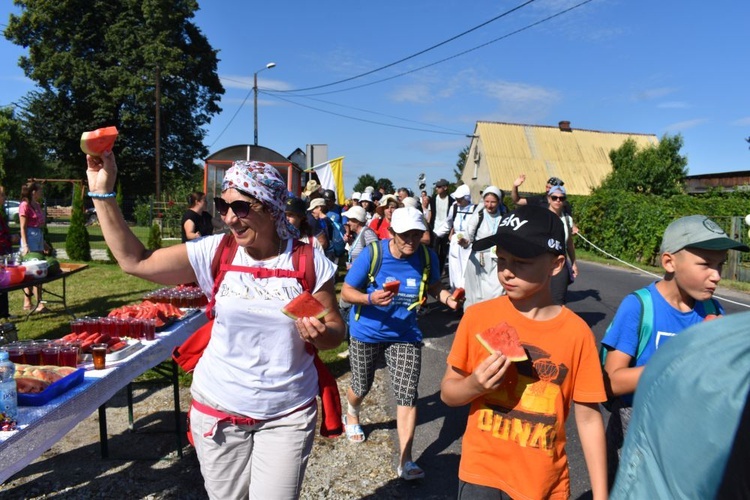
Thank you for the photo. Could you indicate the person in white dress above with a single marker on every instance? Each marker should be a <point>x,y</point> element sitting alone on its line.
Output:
<point>480,278</point>
<point>455,226</point>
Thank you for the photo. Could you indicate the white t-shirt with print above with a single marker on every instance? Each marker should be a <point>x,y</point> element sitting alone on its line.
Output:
<point>256,363</point>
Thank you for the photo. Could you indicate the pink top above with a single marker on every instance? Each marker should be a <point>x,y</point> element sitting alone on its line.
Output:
<point>33,213</point>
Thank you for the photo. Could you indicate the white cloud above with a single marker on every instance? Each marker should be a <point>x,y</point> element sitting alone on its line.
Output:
<point>654,93</point>
<point>684,125</point>
<point>742,122</point>
<point>419,93</point>
<point>673,105</point>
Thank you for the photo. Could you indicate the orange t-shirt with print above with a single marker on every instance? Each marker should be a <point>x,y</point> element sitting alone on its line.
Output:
<point>515,437</point>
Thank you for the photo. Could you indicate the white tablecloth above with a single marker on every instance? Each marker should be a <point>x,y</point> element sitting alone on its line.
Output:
<point>43,426</point>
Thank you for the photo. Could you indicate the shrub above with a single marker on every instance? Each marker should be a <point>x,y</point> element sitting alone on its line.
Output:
<point>154,237</point>
<point>631,225</point>
<point>77,244</point>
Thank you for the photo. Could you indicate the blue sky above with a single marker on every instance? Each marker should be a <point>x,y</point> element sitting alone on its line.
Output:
<point>609,65</point>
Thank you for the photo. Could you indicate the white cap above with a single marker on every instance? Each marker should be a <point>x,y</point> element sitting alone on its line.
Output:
<point>407,219</point>
<point>410,201</point>
<point>317,202</point>
<point>462,191</point>
<point>356,212</point>
<point>365,197</point>
<point>369,189</point>
<point>356,195</point>
<point>493,190</point>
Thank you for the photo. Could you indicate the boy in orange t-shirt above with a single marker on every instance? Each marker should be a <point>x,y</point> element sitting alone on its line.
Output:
<point>514,444</point>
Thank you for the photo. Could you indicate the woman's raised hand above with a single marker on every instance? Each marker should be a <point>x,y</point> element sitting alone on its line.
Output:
<point>101,172</point>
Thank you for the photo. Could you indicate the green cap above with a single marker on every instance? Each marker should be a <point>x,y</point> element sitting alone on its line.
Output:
<point>697,231</point>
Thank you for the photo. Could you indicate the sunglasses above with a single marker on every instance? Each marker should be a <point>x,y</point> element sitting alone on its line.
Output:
<point>240,208</point>
<point>557,198</point>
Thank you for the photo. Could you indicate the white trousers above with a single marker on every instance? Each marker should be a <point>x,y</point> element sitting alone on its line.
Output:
<point>265,461</point>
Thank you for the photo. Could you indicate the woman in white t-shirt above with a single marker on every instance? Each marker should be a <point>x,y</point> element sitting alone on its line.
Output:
<point>254,389</point>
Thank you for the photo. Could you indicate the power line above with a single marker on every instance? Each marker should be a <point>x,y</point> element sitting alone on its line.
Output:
<point>507,35</point>
<point>364,120</point>
<point>415,54</point>
<point>374,113</point>
<point>231,119</point>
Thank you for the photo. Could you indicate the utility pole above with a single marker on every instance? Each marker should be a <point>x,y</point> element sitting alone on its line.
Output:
<point>157,138</point>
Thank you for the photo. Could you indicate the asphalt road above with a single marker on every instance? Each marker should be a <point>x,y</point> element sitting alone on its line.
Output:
<point>595,296</point>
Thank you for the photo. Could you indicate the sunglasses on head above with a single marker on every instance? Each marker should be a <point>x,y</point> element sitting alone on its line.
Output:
<point>240,208</point>
<point>557,198</point>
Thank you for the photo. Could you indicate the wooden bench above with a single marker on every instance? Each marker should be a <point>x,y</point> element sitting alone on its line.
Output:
<point>58,212</point>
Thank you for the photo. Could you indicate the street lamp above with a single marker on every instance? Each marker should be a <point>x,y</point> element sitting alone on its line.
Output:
<point>255,100</point>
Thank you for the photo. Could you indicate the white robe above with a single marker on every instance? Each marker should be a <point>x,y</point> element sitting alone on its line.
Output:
<point>480,277</point>
<point>458,256</point>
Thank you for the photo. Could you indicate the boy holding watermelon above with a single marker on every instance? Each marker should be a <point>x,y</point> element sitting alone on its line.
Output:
<point>521,393</point>
<point>693,251</point>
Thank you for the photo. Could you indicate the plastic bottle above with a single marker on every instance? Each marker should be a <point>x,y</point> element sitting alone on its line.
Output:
<point>8,394</point>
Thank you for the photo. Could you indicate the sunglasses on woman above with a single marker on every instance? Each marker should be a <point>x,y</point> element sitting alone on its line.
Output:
<point>240,208</point>
<point>557,198</point>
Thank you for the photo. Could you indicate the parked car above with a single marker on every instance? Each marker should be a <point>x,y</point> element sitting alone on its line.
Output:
<point>11,210</point>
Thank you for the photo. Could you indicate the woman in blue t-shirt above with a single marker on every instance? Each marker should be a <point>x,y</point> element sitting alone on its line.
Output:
<point>386,322</point>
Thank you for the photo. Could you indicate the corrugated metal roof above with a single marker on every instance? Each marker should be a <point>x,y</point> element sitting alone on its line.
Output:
<point>579,157</point>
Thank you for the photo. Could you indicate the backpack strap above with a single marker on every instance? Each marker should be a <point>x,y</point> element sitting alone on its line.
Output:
<point>376,261</point>
<point>224,255</point>
<point>710,306</point>
<point>425,276</point>
<point>480,218</point>
<point>645,325</point>
<point>646,322</point>
<point>303,261</point>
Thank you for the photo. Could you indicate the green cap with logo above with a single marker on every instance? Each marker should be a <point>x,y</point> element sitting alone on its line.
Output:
<point>697,231</point>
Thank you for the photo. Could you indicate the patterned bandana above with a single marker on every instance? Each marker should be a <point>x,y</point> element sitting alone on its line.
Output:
<point>263,182</point>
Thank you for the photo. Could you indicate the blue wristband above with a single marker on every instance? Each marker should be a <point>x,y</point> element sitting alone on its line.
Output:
<point>101,195</point>
<point>369,298</point>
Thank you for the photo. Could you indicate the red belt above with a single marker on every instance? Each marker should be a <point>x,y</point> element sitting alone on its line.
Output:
<point>234,419</point>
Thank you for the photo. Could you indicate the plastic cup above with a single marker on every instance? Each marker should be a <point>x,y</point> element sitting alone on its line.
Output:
<point>32,353</point>
<point>149,329</point>
<point>77,326</point>
<point>69,355</point>
<point>92,324</point>
<point>51,355</point>
<point>105,326</point>
<point>136,328</point>
<point>99,354</point>
<point>15,353</point>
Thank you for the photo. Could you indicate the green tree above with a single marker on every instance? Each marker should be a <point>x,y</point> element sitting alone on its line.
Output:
<point>656,169</point>
<point>363,181</point>
<point>386,184</point>
<point>96,64</point>
<point>19,156</point>
<point>77,244</point>
<point>461,163</point>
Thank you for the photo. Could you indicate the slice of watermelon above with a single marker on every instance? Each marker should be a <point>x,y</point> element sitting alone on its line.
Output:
<point>392,286</point>
<point>96,142</point>
<point>458,294</point>
<point>304,305</point>
<point>503,338</point>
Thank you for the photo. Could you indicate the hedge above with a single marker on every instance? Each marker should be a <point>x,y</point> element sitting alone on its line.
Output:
<point>631,225</point>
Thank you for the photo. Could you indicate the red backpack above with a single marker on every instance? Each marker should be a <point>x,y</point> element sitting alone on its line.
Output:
<point>188,354</point>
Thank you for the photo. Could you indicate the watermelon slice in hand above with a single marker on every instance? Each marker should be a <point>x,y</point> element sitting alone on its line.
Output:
<point>392,286</point>
<point>458,294</point>
<point>503,338</point>
<point>96,142</point>
<point>304,305</point>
